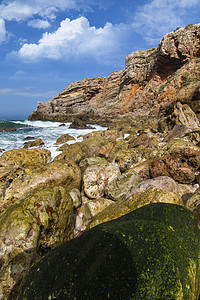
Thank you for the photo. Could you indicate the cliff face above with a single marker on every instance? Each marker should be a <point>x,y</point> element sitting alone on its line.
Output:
<point>150,81</point>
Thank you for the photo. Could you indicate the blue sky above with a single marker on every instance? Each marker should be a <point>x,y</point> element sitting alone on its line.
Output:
<point>46,44</point>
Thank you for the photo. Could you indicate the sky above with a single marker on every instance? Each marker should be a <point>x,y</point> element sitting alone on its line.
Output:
<point>47,44</point>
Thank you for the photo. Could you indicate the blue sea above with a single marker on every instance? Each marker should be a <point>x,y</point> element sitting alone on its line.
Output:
<point>47,131</point>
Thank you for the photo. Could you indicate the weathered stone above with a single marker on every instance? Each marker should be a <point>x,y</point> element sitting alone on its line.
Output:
<point>76,197</point>
<point>96,177</point>
<point>180,164</point>
<point>72,153</point>
<point>178,131</point>
<point>92,160</point>
<point>137,200</point>
<point>36,143</point>
<point>16,182</point>
<point>150,81</point>
<point>64,138</point>
<point>39,221</point>
<point>184,115</point>
<point>151,253</point>
<point>24,157</point>
<point>118,188</point>
<point>193,204</point>
<point>143,140</point>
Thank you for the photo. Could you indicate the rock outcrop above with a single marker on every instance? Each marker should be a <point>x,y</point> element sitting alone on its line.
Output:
<point>150,81</point>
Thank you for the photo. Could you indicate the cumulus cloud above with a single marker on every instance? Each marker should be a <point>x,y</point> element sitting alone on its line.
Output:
<point>156,18</point>
<point>38,23</point>
<point>74,39</point>
<point>2,31</point>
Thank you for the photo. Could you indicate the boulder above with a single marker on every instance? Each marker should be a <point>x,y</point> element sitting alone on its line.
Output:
<point>7,129</point>
<point>16,182</point>
<point>193,204</point>
<point>96,178</point>
<point>36,143</point>
<point>64,138</point>
<point>23,157</point>
<point>118,188</point>
<point>92,160</point>
<point>151,253</point>
<point>181,164</point>
<point>36,223</point>
<point>137,200</point>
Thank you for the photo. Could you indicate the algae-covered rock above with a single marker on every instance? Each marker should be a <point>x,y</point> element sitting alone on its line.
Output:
<point>36,143</point>
<point>64,138</point>
<point>151,253</point>
<point>121,207</point>
<point>29,228</point>
<point>24,157</point>
<point>122,185</point>
<point>92,160</point>
<point>96,177</point>
<point>16,182</point>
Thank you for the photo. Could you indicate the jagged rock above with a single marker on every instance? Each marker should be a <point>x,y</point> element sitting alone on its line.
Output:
<point>138,256</point>
<point>143,140</point>
<point>178,131</point>
<point>150,81</point>
<point>36,143</point>
<point>96,178</point>
<point>39,221</point>
<point>180,164</point>
<point>64,138</point>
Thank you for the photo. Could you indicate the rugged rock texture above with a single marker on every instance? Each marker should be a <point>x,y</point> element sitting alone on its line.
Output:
<point>151,80</point>
<point>151,253</point>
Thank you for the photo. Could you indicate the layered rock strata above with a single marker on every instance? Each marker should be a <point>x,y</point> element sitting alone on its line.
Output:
<point>150,80</point>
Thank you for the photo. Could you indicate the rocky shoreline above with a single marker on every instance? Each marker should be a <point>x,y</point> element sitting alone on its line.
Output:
<point>115,216</point>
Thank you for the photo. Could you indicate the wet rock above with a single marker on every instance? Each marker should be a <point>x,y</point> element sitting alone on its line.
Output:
<point>28,138</point>
<point>73,152</point>
<point>64,138</point>
<point>97,177</point>
<point>141,255</point>
<point>29,228</point>
<point>36,143</point>
<point>7,129</point>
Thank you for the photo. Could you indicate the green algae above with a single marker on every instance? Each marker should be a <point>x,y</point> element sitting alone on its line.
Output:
<point>151,253</point>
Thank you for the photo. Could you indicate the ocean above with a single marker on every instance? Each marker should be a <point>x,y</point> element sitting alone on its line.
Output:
<point>47,131</point>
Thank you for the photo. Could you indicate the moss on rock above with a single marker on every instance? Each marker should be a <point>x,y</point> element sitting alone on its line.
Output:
<point>151,253</point>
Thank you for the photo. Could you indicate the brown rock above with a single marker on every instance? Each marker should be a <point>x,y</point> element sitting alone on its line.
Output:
<point>36,143</point>
<point>64,138</point>
<point>2,129</point>
<point>151,79</point>
<point>180,164</point>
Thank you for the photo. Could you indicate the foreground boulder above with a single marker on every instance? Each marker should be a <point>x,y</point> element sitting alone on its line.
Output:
<point>29,228</point>
<point>151,253</point>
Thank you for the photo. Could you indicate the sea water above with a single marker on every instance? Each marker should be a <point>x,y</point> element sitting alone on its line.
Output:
<point>47,131</point>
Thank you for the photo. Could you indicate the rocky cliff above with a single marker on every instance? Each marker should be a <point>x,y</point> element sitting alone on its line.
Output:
<point>150,81</point>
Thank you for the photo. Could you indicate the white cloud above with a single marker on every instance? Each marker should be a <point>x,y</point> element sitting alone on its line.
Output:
<point>26,92</point>
<point>2,31</point>
<point>38,23</point>
<point>19,10</point>
<point>75,39</point>
<point>156,18</point>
